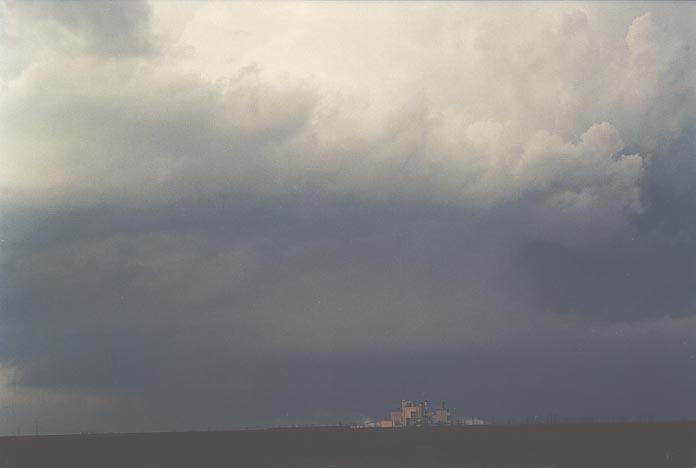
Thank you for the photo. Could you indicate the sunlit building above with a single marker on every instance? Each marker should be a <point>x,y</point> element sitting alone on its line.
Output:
<point>441,416</point>
<point>418,414</point>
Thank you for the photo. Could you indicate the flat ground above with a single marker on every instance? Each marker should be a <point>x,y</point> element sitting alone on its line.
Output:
<point>630,445</point>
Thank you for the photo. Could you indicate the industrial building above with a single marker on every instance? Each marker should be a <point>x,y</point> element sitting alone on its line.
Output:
<point>417,414</point>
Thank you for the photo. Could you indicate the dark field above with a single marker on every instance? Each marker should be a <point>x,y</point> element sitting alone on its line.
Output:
<point>631,445</point>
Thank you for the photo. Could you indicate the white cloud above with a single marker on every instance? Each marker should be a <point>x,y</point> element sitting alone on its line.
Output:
<point>277,97</point>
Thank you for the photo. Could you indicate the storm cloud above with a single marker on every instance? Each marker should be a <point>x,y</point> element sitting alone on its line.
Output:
<point>245,214</point>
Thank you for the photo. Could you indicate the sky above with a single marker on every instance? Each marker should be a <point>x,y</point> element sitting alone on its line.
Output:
<point>228,215</point>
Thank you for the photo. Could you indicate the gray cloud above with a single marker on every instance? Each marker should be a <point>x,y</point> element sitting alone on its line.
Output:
<point>108,30</point>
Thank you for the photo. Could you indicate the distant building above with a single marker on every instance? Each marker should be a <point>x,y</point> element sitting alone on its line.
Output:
<point>441,416</point>
<point>396,418</point>
<point>418,414</point>
<point>411,413</point>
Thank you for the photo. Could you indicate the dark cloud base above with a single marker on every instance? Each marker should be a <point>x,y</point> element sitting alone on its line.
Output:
<point>172,349</point>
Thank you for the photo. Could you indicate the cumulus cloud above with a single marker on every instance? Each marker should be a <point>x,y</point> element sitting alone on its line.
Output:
<point>187,185</point>
<point>153,128</point>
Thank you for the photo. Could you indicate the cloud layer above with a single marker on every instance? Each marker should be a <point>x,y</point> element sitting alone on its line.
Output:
<point>200,200</point>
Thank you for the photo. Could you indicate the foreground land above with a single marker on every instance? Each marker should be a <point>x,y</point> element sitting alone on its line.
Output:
<point>630,445</point>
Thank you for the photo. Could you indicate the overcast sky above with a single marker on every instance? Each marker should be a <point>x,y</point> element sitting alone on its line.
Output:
<point>249,214</point>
